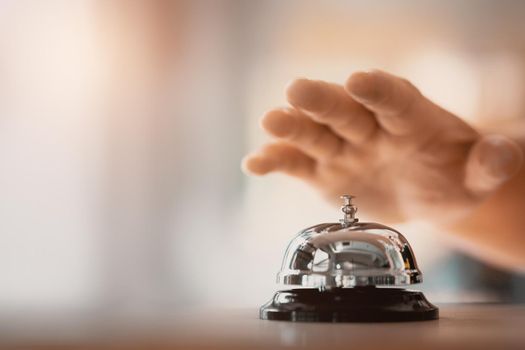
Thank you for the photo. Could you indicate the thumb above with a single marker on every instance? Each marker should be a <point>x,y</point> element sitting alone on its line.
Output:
<point>492,160</point>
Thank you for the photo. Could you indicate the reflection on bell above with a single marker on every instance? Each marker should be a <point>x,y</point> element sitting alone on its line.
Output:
<point>348,272</point>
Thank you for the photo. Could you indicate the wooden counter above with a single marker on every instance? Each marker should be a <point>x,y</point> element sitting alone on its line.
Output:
<point>461,326</point>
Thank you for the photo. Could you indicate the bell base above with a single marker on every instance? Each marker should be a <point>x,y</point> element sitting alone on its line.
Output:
<point>360,304</point>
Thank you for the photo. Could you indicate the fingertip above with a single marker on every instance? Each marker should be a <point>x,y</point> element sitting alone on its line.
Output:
<point>365,86</point>
<point>256,165</point>
<point>492,161</point>
<point>278,122</point>
<point>499,155</point>
<point>306,94</point>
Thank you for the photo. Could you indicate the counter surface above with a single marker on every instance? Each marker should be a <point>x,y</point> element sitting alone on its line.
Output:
<point>479,326</point>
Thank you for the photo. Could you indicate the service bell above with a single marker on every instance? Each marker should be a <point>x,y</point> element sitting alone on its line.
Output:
<point>349,271</point>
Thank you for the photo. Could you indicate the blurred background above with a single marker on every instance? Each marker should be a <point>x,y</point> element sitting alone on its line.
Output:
<point>123,124</point>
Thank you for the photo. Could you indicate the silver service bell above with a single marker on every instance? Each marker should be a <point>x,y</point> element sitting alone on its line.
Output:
<point>349,272</point>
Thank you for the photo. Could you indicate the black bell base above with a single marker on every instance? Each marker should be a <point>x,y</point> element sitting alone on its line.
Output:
<point>360,304</point>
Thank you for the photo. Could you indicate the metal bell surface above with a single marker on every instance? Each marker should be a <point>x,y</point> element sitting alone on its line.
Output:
<point>349,254</point>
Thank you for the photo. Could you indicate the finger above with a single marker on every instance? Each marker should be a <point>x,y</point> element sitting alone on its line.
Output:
<point>392,99</point>
<point>314,139</point>
<point>329,104</point>
<point>280,157</point>
<point>492,161</point>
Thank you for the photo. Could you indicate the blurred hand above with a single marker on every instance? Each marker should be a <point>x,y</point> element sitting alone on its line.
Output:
<point>380,139</point>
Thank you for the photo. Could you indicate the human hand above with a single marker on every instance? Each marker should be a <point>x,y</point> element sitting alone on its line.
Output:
<point>380,139</point>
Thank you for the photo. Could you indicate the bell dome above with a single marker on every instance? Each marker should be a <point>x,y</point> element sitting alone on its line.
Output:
<point>349,254</point>
<point>363,254</point>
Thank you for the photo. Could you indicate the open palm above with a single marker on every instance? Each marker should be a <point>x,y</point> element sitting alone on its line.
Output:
<point>380,139</point>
